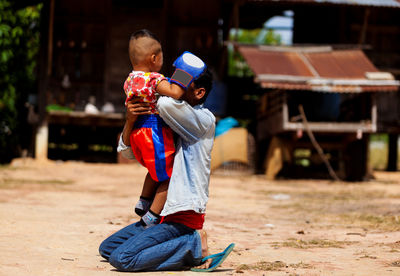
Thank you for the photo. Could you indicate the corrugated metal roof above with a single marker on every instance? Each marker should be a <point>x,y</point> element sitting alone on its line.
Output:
<point>317,69</point>
<point>372,3</point>
<point>341,64</point>
<point>377,3</point>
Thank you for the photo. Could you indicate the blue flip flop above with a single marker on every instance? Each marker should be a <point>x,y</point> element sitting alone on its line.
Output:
<point>217,259</point>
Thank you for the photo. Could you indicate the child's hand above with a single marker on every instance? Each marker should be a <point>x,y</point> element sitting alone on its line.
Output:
<point>136,107</point>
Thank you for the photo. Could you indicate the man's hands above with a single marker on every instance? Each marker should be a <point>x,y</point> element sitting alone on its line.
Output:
<point>134,108</point>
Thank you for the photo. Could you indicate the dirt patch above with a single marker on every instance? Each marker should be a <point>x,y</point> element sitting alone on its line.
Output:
<point>55,214</point>
<point>314,243</point>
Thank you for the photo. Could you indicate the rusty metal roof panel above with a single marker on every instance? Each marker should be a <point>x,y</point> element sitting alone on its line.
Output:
<point>328,89</point>
<point>341,64</point>
<point>318,69</point>
<point>270,62</point>
<point>377,3</point>
<point>285,86</point>
<point>371,3</point>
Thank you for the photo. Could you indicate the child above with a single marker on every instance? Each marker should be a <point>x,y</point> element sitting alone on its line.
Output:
<point>151,139</point>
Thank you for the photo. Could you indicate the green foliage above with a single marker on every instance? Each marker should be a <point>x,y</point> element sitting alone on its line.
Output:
<point>19,44</point>
<point>379,150</point>
<point>245,36</point>
<point>271,38</point>
<point>237,66</point>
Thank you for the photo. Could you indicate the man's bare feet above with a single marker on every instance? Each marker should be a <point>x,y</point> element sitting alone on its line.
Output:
<point>204,249</point>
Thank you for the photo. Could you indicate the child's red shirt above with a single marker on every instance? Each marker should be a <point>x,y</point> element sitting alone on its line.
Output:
<point>189,218</point>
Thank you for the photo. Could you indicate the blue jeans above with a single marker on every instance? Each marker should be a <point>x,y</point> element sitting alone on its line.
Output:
<point>166,246</point>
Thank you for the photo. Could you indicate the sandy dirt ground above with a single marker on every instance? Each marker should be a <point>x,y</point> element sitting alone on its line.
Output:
<point>54,215</point>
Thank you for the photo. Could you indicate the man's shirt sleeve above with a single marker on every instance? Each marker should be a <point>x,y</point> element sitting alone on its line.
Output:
<point>190,123</point>
<point>125,150</point>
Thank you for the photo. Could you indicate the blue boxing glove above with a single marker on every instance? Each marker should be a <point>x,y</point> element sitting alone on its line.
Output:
<point>188,68</point>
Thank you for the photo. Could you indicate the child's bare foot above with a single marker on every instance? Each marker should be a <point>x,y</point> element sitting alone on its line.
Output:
<point>204,250</point>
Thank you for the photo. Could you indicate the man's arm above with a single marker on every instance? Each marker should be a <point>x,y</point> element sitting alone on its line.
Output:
<point>190,123</point>
<point>134,108</point>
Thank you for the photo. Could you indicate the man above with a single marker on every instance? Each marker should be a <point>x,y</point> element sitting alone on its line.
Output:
<point>179,241</point>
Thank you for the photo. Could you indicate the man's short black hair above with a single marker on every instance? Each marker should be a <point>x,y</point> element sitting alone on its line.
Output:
<point>144,33</point>
<point>205,81</point>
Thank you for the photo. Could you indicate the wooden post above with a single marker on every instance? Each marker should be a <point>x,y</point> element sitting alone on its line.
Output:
<point>279,152</point>
<point>364,28</point>
<point>374,113</point>
<point>236,19</point>
<point>45,57</point>
<point>50,41</point>
<point>106,72</point>
<point>42,138</point>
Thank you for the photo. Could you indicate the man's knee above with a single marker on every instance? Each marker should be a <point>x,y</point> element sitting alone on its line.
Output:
<point>103,252</point>
<point>117,260</point>
<point>106,248</point>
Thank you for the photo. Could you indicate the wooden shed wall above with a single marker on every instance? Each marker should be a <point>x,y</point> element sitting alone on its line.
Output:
<point>124,19</point>
<point>90,43</point>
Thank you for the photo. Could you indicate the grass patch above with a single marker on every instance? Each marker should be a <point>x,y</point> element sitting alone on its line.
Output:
<point>272,266</point>
<point>342,195</point>
<point>263,266</point>
<point>315,243</point>
<point>366,256</point>
<point>8,167</point>
<point>380,222</point>
<point>301,265</point>
<point>355,194</point>
<point>378,150</point>
<point>395,263</point>
<point>333,202</point>
<point>394,245</point>
<point>304,206</point>
<point>365,209</point>
<point>378,157</point>
<point>9,183</point>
